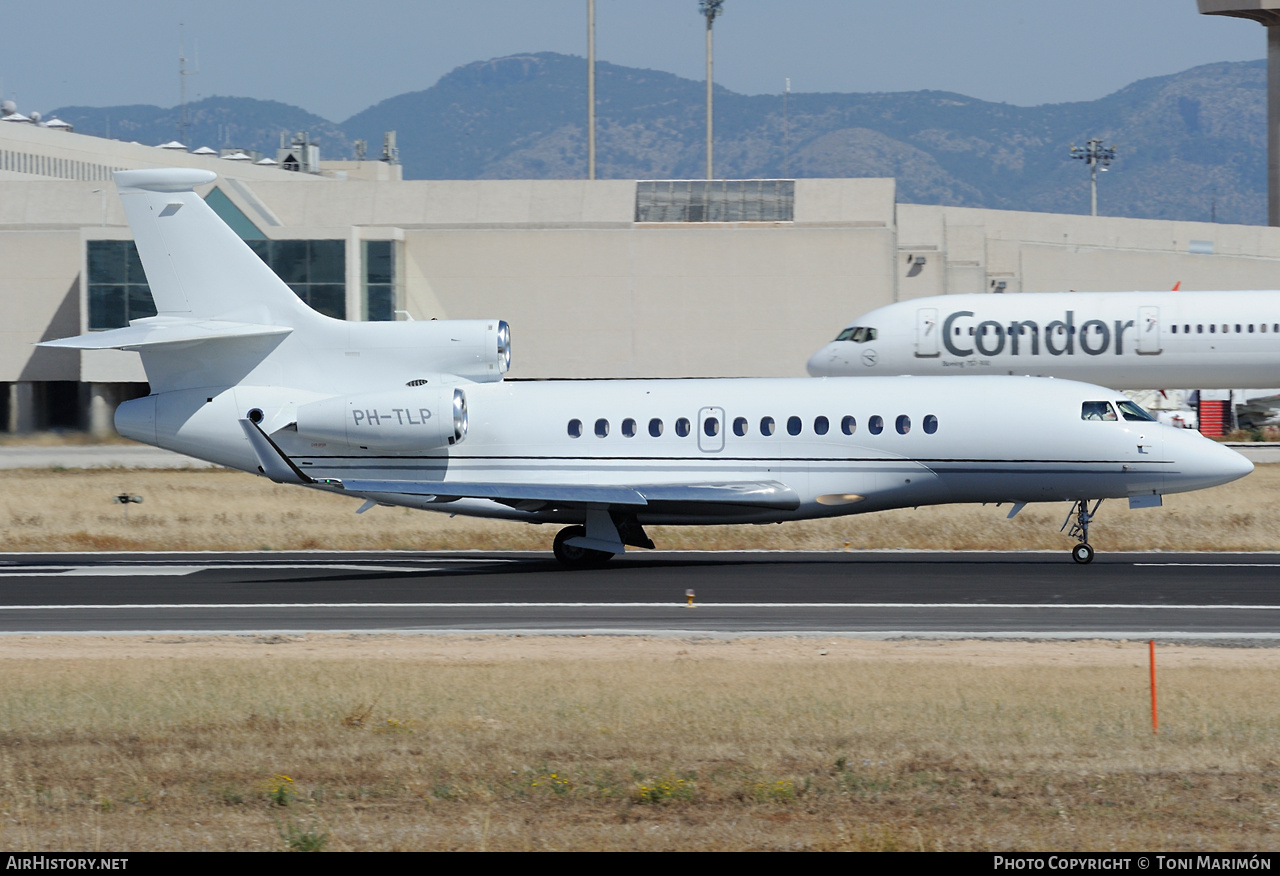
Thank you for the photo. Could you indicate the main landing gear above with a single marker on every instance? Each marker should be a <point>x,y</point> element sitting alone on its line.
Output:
<point>574,557</point>
<point>595,544</point>
<point>1081,553</point>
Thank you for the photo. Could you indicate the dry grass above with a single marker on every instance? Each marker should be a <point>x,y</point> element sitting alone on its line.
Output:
<point>632,743</point>
<point>225,510</point>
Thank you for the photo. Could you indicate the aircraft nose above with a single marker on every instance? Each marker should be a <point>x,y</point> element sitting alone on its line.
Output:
<point>1203,463</point>
<point>820,363</point>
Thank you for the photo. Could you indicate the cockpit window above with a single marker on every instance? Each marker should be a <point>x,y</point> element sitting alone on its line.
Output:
<point>1131,411</point>
<point>859,334</point>
<point>1097,410</point>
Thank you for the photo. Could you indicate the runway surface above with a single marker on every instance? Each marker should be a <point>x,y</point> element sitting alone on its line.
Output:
<point>1219,598</point>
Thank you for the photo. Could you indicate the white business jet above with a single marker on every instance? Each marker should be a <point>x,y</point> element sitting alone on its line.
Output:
<point>1133,340</point>
<point>417,414</point>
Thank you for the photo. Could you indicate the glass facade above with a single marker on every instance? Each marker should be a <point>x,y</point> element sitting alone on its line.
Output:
<point>379,280</point>
<point>721,200</point>
<point>118,290</point>
<point>316,270</point>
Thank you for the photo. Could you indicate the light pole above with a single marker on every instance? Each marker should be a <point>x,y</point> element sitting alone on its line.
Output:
<point>710,9</point>
<point>591,89</point>
<point>1095,155</point>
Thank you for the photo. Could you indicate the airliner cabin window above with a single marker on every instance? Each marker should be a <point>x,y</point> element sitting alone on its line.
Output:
<point>903,424</point>
<point>848,425</point>
<point>629,428</point>
<point>794,426</point>
<point>766,426</point>
<point>821,425</point>
<point>602,428</point>
<point>683,427</point>
<point>655,427</point>
<point>1131,411</point>
<point>740,427</point>
<point>575,428</point>
<point>875,425</point>
<point>930,424</point>
<point>1097,410</point>
<point>711,427</point>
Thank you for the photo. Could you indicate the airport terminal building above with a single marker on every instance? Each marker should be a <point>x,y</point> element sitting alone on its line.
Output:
<point>609,278</point>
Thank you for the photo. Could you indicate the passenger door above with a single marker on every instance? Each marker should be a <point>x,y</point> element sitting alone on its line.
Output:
<point>927,333</point>
<point>1148,331</point>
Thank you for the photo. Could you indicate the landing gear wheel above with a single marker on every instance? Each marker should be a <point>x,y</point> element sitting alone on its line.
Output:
<point>572,557</point>
<point>1082,553</point>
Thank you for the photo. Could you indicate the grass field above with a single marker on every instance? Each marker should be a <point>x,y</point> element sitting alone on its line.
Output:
<point>361,743</point>
<point>216,509</point>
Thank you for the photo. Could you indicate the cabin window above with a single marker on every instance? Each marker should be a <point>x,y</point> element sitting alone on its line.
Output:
<point>740,427</point>
<point>930,424</point>
<point>683,427</point>
<point>848,425</point>
<point>1237,328</point>
<point>821,426</point>
<point>903,424</point>
<point>711,427</point>
<point>655,427</point>
<point>875,425</point>
<point>1263,328</point>
<point>1250,328</point>
<point>1213,329</point>
<point>1199,329</point>
<point>766,426</point>
<point>1175,329</point>
<point>1131,411</point>
<point>575,428</point>
<point>628,428</point>
<point>794,425</point>
<point>602,428</point>
<point>1097,410</point>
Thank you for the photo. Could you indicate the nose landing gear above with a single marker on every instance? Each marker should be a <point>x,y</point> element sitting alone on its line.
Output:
<point>1081,553</point>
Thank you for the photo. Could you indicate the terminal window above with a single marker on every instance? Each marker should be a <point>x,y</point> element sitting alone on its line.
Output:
<point>379,280</point>
<point>118,290</point>
<point>733,200</point>
<point>316,270</point>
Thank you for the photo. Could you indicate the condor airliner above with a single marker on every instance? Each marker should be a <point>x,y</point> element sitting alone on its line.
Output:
<point>418,414</point>
<point>1131,340</point>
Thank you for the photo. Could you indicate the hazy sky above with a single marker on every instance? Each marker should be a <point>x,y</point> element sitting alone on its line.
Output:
<point>336,58</point>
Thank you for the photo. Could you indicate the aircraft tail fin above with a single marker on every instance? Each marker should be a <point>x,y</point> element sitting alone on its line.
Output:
<point>197,267</point>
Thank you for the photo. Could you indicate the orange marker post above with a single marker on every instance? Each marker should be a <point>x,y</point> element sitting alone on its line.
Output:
<point>1155,720</point>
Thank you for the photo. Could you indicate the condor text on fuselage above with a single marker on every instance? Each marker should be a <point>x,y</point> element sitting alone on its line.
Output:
<point>1131,340</point>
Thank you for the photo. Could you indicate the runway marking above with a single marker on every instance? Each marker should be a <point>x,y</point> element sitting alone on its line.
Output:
<point>181,571</point>
<point>1217,565</point>
<point>672,605</point>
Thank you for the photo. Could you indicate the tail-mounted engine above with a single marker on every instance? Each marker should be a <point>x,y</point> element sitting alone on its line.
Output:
<point>401,421</point>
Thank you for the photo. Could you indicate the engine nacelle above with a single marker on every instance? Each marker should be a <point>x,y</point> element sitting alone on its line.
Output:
<point>406,420</point>
<point>473,349</point>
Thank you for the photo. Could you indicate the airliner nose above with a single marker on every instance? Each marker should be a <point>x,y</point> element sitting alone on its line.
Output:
<point>820,363</point>
<point>1201,463</point>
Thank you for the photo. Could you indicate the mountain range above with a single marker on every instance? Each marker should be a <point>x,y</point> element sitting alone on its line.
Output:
<point>1190,146</point>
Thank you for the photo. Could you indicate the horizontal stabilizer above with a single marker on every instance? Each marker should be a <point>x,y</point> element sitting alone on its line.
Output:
<point>155,332</point>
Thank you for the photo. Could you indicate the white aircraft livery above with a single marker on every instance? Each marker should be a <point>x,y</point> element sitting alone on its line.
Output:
<point>1132,340</point>
<point>417,414</point>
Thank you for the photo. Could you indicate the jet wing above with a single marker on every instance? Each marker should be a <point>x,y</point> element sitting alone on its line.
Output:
<point>707,498</point>
<point>770,495</point>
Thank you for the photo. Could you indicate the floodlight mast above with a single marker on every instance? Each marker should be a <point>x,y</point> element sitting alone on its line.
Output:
<point>710,9</point>
<point>1266,13</point>
<point>1095,155</point>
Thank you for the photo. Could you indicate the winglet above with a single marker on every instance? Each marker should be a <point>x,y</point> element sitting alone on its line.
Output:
<point>271,459</point>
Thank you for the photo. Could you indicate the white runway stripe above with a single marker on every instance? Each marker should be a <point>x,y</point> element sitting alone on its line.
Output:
<point>671,605</point>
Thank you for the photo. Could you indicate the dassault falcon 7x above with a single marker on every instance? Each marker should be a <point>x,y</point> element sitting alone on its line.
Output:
<point>1133,340</point>
<point>417,414</point>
